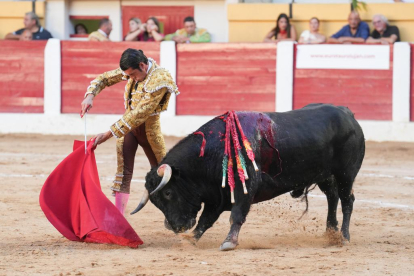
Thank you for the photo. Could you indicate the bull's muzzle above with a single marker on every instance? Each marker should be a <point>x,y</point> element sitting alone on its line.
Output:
<point>182,227</point>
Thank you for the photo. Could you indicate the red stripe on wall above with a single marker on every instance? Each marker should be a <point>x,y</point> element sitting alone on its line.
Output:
<point>412,84</point>
<point>368,93</point>
<point>88,17</point>
<point>84,61</point>
<point>214,78</point>
<point>22,76</point>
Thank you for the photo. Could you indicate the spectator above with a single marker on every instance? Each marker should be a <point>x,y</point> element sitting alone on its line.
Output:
<point>81,29</point>
<point>312,36</point>
<point>102,34</point>
<point>190,33</point>
<point>31,22</point>
<point>151,31</point>
<point>26,35</point>
<point>282,31</point>
<point>356,31</point>
<point>135,28</point>
<point>383,33</point>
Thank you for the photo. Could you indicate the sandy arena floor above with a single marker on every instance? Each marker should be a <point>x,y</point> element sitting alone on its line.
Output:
<point>273,240</point>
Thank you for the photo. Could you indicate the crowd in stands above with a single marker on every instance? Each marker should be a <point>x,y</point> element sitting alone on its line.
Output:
<point>356,31</point>
<point>150,31</point>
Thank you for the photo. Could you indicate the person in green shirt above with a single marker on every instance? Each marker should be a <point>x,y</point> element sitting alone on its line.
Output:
<point>190,33</point>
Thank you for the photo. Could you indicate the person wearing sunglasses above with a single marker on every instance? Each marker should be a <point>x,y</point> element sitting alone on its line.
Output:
<point>383,33</point>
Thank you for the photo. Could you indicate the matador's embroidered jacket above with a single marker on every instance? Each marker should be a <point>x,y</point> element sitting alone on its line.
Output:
<point>142,99</point>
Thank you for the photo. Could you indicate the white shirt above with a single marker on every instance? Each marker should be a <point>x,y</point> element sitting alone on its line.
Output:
<point>102,32</point>
<point>308,36</point>
<point>149,66</point>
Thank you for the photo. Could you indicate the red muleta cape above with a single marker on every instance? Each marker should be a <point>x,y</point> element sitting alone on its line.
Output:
<point>73,202</point>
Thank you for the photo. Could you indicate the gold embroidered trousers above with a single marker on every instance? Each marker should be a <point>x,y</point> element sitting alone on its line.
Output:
<point>148,135</point>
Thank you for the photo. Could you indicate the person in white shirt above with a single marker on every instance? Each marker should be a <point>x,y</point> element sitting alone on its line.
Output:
<point>102,34</point>
<point>312,36</point>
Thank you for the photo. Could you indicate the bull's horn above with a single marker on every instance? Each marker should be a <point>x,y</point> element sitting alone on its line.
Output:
<point>165,171</point>
<point>143,202</point>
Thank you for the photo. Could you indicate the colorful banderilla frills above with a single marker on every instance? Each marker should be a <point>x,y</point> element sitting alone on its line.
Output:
<point>241,165</point>
<point>246,143</point>
<point>226,155</point>
<point>231,133</point>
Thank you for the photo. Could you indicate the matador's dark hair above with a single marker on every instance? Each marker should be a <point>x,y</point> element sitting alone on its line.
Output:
<point>131,58</point>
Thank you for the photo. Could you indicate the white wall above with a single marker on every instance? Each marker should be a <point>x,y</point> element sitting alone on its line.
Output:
<point>53,75</point>
<point>109,8</point>
<point>179,126</point>
<point>212,16</point>
<point>401,82</point>
<point>57,18</point>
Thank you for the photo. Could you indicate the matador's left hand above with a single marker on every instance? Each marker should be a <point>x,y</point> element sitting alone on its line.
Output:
<point>102,137</point>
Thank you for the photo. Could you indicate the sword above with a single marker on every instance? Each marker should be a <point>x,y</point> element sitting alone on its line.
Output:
<point>85,133</point>
<point>87,109</point>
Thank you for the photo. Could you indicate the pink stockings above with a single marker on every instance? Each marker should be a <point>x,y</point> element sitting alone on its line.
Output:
<point>121,200</point>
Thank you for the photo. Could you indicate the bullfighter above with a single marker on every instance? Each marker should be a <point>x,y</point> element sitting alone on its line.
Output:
<point>146,95</point>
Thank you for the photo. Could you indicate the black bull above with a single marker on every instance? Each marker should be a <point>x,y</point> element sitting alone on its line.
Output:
<point>318,144</point>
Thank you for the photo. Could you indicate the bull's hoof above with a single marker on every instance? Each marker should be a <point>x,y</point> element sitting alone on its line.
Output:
<point>346,237</point>
<point>190,238</point>
<point>227,246</point>
<point>332,228</point>
<point>346,241</point>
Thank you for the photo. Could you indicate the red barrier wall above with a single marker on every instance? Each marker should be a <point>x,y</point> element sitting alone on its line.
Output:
<point>214,78</point>
<point>412,84</point>
<point>22,76</point>
<point>368,93</point>
<point>83,61</point>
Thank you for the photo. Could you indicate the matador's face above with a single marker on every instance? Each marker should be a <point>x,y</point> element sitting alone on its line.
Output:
<point>136,74</point>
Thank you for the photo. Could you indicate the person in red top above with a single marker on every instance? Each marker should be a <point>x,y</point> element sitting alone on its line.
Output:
<point>151,31</point>
<point>282,31</point>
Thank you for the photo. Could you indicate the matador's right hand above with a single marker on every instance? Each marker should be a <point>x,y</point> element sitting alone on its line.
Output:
<point>86,104</point>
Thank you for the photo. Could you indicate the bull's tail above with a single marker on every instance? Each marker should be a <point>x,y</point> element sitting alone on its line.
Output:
<point>304,194</point>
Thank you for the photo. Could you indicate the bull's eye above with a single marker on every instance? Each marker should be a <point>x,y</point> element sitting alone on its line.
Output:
<point>167,194</point>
